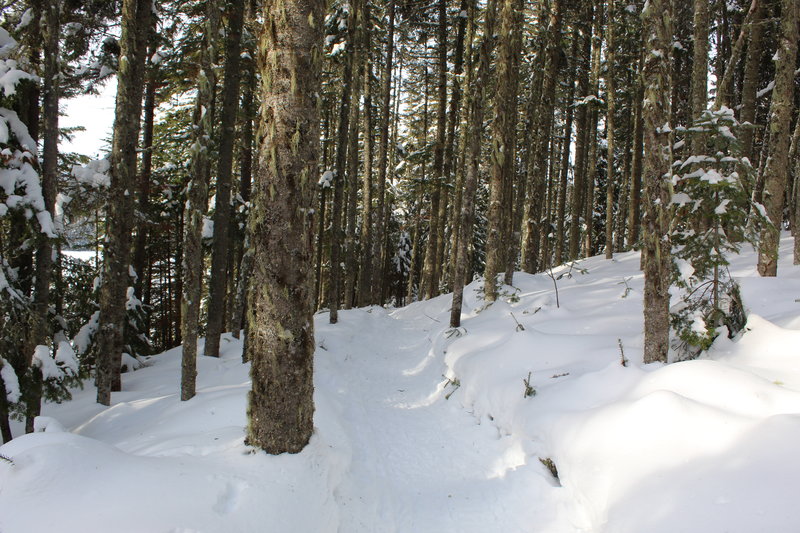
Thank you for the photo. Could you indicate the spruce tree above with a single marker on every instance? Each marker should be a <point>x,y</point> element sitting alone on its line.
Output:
<point>280,309</point>
<point>657,28</point>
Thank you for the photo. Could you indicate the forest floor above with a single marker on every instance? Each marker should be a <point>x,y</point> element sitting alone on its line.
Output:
<point>421,429</point>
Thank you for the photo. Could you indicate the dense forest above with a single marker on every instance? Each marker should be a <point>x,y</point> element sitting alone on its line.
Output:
<point>272,159</point>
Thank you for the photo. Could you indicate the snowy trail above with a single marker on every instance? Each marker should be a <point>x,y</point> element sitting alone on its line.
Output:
<point>696,446</point>
<point>420,462</point>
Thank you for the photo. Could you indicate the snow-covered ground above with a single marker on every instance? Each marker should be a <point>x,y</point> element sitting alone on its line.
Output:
<point>422,429</point>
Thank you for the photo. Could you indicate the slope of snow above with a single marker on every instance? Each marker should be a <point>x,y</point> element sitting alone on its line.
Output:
<point>420,428</point>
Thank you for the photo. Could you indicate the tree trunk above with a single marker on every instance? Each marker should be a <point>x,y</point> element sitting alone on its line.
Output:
<point>752,75</point>
<point>610,124</point>
<point>246,171</point>
<point>537,165</point>
<point>776,169</point>
<point>139,260</point>
<point>476,95</point>
<point>340,166</point>
<point>40,329</point>
<point>699,96</point>
<point>351,255</point>
<point>503,150</point>
<point>657,30</point>
<point>367,216</point>
<point>634,212</point>
<point>593,113</point>
<point>794,155</point>
<point>281,311</point>
<point>562,188</point>
<point>197,202</point>
<point>136,20</point>
<point>581,141</point>
<point>218,283</point>
<point>451,159</point>
<point>379,234</point>
<point>725,81</point>
<point>429,284</point>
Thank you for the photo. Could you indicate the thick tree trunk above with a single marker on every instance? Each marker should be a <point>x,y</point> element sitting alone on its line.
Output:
<point>280,314</point>
<point>197,202</point>
<point>218,284</point>
<point>657,28</point>
<point>136,20</point>
<point>776,169</point>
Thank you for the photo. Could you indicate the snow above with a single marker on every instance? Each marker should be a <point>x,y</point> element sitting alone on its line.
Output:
<point>95,173</point>
<point>326,180</point>
<point>423,429</point>
<point>10,381</point>
<point>45,362</point>
<point>207,232</point>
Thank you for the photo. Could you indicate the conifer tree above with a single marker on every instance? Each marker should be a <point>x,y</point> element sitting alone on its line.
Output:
<point>280,310</point>
<point>137,17</point>
<point>657,28</point>
<point>221,244</point>
<point>503,152</point>
<point>776,169</point>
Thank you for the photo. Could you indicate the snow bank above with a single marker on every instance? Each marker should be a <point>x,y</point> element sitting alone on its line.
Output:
<point>423,429</point>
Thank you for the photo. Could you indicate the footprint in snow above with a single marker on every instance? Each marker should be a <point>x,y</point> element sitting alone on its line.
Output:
<point>228,499</point>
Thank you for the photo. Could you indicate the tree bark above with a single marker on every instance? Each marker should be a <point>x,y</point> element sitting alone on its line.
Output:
<point>379,234</point>
<point>218,283</point>
<point>657,30</point>
<point>280,314</point>
<point>476,94</point>
<point>776,169</point>
<point>503,148</point>
<point>367,216</point>
<point>340,166</point>
<point>429,283</point>
<point>197,202</point>
<point>139,260</point>
<point>794,155</point>
<point>537,165</point>
<point>246,170</point>
<point>581,133</point>
<point>611,109</point>
<point>136,20</point>
<point>40,330</point>
<point>351,255</point>
<point>634,212</point>
<point>752,75</point>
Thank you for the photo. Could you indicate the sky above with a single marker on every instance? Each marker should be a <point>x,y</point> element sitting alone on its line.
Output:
<point>96,114</point>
